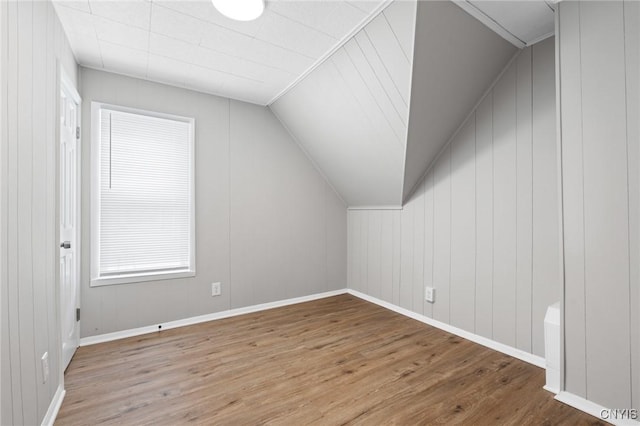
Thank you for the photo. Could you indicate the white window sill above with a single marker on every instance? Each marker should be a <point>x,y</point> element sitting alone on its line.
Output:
<point>136,278</point>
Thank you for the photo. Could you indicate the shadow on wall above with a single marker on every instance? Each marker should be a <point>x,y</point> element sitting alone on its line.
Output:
<point>482,225</point>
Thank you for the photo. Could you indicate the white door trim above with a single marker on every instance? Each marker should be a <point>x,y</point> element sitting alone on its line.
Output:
<point>66,85</point>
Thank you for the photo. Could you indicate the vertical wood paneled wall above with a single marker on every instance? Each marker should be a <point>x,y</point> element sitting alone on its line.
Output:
<point>599,45</point>
<point>33,43</point>
<point>268,225</point>
<point>483,226</point>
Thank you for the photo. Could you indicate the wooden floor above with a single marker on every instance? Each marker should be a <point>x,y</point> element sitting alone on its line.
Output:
<point>333,361</point>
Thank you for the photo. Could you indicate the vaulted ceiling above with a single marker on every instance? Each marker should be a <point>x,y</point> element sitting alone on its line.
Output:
<point>356,109</point>
<point>370,89</point>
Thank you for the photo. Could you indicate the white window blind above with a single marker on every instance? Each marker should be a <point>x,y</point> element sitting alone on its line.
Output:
<point>145,196</point>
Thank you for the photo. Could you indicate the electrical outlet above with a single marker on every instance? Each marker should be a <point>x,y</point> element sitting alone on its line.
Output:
<point>45,367</point>
<point>216,289</point>
<point>430,294</point>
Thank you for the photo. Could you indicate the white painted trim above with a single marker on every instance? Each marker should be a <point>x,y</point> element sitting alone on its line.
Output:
<point>372,15</point>
<point>490,23</point>
<point>500,347</point>
<point>142,277</point>
<point>56,174</point>
<point>562,271</point>
<point>108,337</point>
<point>66,86</point>
<point>541,38</point>
<point>592,408</point>
<point>94,210</point>
<point>375,208</point>
<point>411,73</point>
<point>54,407</point>
<point>568,398</point>
<point>550,389</point>
<point>170,84</point>
<point>3,148</point>
<point>516,353</point>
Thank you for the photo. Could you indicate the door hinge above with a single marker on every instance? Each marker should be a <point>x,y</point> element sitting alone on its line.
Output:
<point>78,132</point>
<point>77,314</point>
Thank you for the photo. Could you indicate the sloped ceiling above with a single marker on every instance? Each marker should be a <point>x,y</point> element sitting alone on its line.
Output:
<point>351,113</point>
<point>522,23</point>
<point>371,109</point>
<point>456,58</point>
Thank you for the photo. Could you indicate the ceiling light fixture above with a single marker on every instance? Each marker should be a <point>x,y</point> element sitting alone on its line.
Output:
<point>240,10</point>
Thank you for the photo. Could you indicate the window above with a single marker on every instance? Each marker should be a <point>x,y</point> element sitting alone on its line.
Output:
<point>142,201</point>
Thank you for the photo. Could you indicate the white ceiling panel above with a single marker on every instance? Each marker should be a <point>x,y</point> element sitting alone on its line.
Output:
<point>81,5</point>
<point>277,57</point>
<point>313,14</point>
<point>367,6</point>
<point>308,41</point>
<point>257,93</point>
<point>383,37</point>
<point>383,77</point>
<point>350,113</point>
<point>397,14</point>
<point>333,18</point>
<point>133,12</point>
<point>239,67</point>
<point>383,102</point>
<point>177,25</point>
<point>172,48</point>
<point>521,22</point>
<point>342,19</point>
<point>527,20</point>
<point>204,10</point>
<point>161,68</point>
<point>116,57</point>
<point>117,33</point>
<point>206,51</point>
<point>226,41</point>
<point>204,79</point>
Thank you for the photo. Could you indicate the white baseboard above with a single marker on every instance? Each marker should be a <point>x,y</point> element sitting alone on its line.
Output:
<point>54,407</point>
<point>596,410</point>
<point>516,353</point>
<point>108,337</point>
<point>500,347</point>
<point>565,397</point>
<point>551,389</point>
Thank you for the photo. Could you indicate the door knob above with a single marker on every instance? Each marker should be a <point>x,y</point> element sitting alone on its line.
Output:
<point>65,244</point>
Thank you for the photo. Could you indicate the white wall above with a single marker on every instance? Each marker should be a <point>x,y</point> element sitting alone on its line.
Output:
<point>32,44</point>
<point>599,45</point>
<point>268,226</point>
<point>482,227</point>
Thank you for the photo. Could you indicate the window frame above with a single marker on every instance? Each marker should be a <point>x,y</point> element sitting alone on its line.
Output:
<point>97,280</point>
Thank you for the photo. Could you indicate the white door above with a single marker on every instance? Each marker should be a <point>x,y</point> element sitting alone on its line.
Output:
<point>69,235</point>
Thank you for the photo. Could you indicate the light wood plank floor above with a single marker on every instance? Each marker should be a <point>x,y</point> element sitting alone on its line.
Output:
<point>334,361</point>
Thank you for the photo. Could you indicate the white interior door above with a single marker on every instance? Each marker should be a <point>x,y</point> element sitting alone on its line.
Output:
<point>69,235</point>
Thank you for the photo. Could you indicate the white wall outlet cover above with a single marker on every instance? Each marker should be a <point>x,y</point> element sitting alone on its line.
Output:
<point>45,367</point>
<point>430,294</point>
<point>216,289</point>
